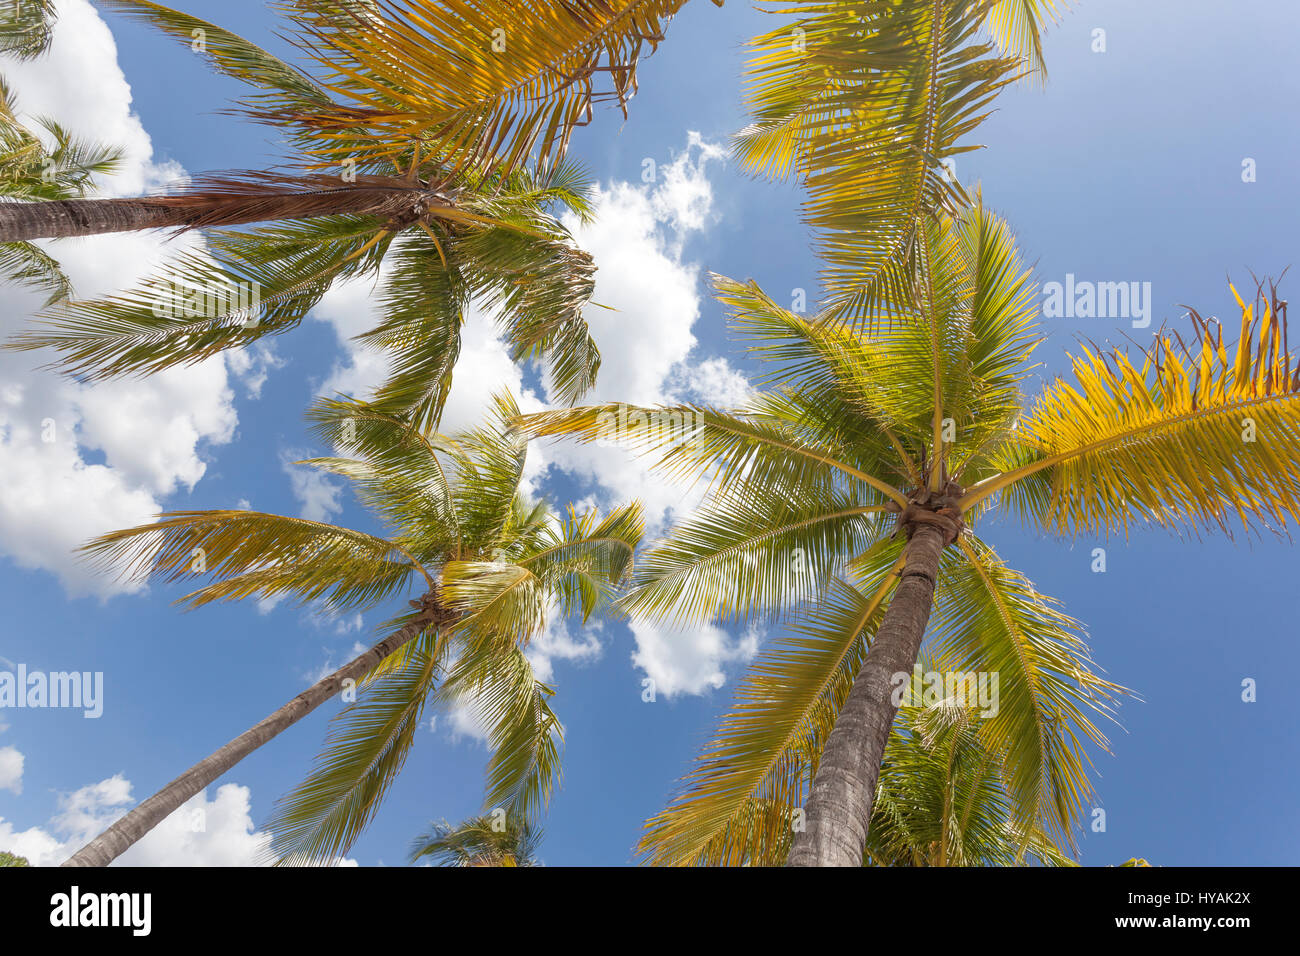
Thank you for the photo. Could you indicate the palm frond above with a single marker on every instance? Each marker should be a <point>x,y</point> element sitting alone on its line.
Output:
<point>1187,436</point>
<point>249,553</point>
<point>367,746</point>
<point>493,840</point>
<point>489,85</point>
<point>737,804</point>
<point>27,28</point>
<point>865,103</point>
<point>990,619</point>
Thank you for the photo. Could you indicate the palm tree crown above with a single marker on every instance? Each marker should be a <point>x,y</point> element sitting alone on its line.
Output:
<point>488,565</point>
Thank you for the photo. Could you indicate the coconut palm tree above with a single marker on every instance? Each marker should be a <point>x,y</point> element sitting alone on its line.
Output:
<point>821,509</point>
<point>446,84</point>
<point>487,565</point>
<point>483,841</point>
<point>849,490</point>
<point>32,169</point>
<point>902,398</point>
<point>426,137</point>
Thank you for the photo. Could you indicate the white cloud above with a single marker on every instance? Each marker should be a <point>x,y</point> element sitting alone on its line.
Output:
<point>688,660</point>
<point>202,832</point>
<point>713,382</point>
<point>77,459</point>
<point>11,769</point>
<point>253,366</point>
<point>557,642</point>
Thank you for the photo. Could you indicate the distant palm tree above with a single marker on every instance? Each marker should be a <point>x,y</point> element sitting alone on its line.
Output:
<point>32,170</point>
<point>488,566</point>
<point>425,137</point>
<point>943,800</point>
<point>500,840</point>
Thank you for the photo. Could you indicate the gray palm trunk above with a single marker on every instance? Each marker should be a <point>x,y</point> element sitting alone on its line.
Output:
<point>65,218</point>
<point>115,841</point>
<point>838,810</point>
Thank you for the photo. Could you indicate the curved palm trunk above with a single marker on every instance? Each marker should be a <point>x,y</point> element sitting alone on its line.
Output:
<point>844,790</point>
<point>64,218</point>
<point>115,841</point>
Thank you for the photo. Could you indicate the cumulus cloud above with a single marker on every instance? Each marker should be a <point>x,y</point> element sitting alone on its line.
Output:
<point>688,660</point>
<point>79,459</point>
<point>202,832</point>
<point>11,769</point>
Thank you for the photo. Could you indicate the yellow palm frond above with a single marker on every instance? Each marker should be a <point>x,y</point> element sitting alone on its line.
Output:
<point>1186,435</point>
<point>488,83</point>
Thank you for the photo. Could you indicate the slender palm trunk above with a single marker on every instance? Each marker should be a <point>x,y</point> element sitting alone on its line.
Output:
<point>63,218</point>
<point>114,841</point>
<point>844,790</point>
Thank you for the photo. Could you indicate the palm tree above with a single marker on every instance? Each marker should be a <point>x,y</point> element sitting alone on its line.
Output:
<point>483,841</point>
<point>426,136</point>
<point>487,564</point>
<point>825,500</point>
<point>901,401</point>
<point>821,507</point>
<point>32,170</point>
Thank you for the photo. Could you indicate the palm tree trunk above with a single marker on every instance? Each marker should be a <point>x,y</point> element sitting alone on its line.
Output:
<point>64,218</point>
<point>114,841</point>
<point>844,790</point>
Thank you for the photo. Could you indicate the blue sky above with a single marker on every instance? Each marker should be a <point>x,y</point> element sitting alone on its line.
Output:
<point>1126,166</point>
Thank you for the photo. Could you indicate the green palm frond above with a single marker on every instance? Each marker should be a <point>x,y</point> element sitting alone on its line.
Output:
<point>367,746</point>
<point>523,732</point>
<point>865,103</point>
<point>27,28</point>
<point>989,618</point>
<point>283,85</point>
<point>493,840</point>
<point>736,805</point>
<point>941,798</point>
<point>266,555</point>
<point>27,264</point>
<point>584,558</point>
<point>487,478</point>
<point>747,448</point>
<point>752,555</point>
<point>249,286</point>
